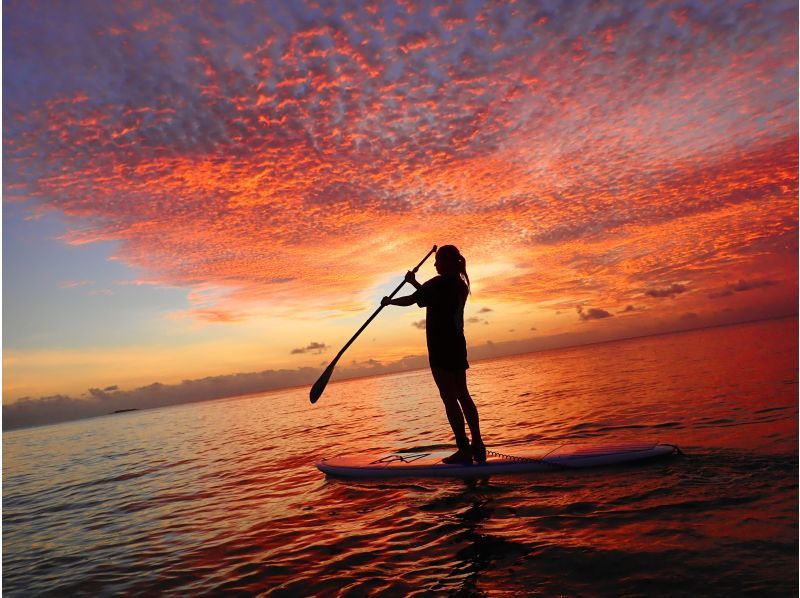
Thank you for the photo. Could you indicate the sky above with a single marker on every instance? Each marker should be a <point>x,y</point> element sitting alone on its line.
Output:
<point>220,196</point>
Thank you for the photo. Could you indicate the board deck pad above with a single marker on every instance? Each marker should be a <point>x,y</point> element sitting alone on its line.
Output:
<point>429,463</point>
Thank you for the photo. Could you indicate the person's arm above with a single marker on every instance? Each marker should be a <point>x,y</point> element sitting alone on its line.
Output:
<point>410,299</point>
<point>412,280</point>
<point>401,301</point>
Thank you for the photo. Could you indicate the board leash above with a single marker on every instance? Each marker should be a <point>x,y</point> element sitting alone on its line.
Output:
<point>516,459</point>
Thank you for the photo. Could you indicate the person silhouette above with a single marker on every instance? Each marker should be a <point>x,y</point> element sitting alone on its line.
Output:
<point>444,297</point>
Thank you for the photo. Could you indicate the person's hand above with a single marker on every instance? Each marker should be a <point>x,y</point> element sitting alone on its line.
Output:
<point>411,278</point>
<point>386,301</point>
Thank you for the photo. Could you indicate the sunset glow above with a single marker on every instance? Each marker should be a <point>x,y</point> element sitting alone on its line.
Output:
<point>233,188</point>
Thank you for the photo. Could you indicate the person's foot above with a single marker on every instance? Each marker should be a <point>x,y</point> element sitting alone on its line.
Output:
<point>478,450</point>
<point>460,456</point>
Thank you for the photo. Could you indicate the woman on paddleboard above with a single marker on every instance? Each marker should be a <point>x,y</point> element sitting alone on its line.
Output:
<point>444,297</point>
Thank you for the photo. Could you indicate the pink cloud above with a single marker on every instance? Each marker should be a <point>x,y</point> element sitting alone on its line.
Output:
<point>273,156</point>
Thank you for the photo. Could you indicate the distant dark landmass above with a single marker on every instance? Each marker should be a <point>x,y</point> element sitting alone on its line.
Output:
<point>124,410</point>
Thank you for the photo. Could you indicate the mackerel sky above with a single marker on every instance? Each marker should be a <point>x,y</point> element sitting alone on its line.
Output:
<point>206,188</point>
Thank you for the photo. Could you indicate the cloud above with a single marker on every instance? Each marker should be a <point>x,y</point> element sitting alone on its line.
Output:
<point>593,313</point>
<point>369,363</point>
<point>419,324</point>
<point>315,348</point>
<point>671,291</point>
<point>745,285</point>
<point>71,284</point>
<point>265,153</point>
<point>689,316</point>
<point>720,294</point>
<point>209,315</point>
<point>289,159</point>
<point>628,309</point>
<point>50,409</point>
<point>742,286</point>
<point>485,310</point>
<point>29,411</point>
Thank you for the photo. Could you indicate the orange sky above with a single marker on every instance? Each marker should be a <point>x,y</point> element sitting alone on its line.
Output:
<point>227,189</point>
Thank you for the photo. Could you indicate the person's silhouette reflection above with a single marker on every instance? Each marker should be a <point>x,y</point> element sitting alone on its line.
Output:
<point>444,297</point>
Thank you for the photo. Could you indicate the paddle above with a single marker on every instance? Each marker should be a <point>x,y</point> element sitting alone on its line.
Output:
<point>319,385</point>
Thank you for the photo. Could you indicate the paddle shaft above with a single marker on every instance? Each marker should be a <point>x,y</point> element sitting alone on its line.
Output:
<point>377,311</point>
<point>319,385</point>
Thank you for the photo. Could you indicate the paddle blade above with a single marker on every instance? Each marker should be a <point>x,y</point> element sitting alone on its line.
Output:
<point>319,385</point>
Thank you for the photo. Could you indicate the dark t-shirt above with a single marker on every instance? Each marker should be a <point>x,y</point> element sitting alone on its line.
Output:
<point>444,297</point>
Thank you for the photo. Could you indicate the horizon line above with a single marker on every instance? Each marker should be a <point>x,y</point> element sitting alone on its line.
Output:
<point>402,371</point>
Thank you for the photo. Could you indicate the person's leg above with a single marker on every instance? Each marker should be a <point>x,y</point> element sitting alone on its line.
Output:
<point>467,404</point>
<point>470,413</point>
<point>446,383</point>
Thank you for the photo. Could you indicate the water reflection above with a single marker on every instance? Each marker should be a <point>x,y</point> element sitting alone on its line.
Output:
<point>222,496</point>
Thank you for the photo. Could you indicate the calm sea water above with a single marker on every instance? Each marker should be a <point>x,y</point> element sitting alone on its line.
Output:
<point>222,497</point>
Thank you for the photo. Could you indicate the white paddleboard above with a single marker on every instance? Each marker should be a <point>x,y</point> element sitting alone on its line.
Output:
<point>429,463</point>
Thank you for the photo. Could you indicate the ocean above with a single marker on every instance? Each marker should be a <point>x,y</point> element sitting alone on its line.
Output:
<point>222,497</point>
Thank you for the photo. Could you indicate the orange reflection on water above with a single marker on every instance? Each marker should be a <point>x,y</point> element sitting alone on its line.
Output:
<point>223,495</point>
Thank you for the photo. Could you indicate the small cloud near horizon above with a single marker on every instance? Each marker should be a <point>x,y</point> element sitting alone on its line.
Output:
<point>315,348</point>
<point>593,313</point>
<point>741,287</point>
<point>720,294</point>
<point>419,324</point>
<point>744,285</point>
<point>369,363</point>
<point>670,291</point>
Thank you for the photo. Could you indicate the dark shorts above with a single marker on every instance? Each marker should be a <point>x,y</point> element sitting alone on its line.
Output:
<point>451,356</point>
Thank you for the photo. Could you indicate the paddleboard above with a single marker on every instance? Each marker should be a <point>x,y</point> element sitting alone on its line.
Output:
<point>429,463</point>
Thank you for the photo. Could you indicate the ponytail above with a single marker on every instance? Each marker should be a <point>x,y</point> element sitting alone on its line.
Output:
<point>450,257</point>
<point>462,265</point>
